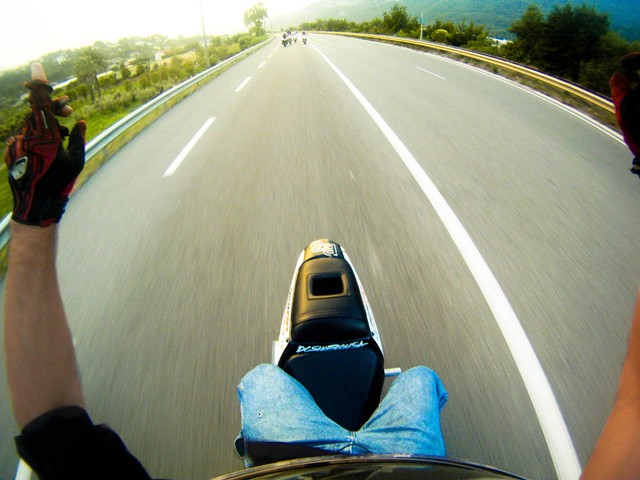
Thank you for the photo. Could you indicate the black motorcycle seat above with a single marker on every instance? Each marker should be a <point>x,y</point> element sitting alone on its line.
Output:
<point>327,305</point>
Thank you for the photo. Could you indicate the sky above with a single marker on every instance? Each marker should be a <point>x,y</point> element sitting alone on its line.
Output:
<point>32,28</point>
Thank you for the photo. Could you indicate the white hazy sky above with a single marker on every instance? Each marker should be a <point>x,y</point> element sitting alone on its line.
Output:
<point>31,28</point>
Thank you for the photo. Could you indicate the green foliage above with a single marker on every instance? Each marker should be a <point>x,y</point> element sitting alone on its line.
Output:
<point>375,26</point>
<point>254,18</point>
<point>398,20</point>
<point>11,119</point>
<point>395,22</point>
<point>247,41</point>
<point>571,42</point>
<point>441,36</point>
<point>461,35</point>
<point>125,73</point>
<point>530,34</point>
<point>329,25</point>
<point>11,82</point>
<point>496,15</point>
<point>596,71</point>
<point>572,36</point>
<point>89,64</point>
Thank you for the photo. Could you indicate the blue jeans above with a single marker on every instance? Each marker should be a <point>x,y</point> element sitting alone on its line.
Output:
<point>277,408</point>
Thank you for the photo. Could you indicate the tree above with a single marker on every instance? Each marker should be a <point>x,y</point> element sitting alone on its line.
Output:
<point>595,73</point>
<point>397,19</point>
<point>254,18</point>
<point>530,32</point>
<point>560,44</point>
<point>89,64</point>
<point>125,73</point>
<point>471,34</point>
<point>573,36</point>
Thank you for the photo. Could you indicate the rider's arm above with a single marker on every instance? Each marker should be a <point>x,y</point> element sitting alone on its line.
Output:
<point>58,438</point>
<point>40,358</point>
<point>617,452</point>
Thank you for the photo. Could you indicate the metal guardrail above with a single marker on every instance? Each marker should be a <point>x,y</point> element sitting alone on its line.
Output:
<point>105,138</point>
<point>573,88</point>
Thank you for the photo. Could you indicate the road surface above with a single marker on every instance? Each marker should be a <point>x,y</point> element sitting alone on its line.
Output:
<point>175,267</point>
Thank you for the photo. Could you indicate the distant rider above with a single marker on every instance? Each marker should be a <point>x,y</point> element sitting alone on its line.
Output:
<point>625,93</point>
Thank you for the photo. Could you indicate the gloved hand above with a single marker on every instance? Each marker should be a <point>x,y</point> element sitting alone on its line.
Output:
<point>41,172</point>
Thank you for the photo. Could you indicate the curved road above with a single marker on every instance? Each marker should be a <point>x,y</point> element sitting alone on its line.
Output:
<point>174,285</point>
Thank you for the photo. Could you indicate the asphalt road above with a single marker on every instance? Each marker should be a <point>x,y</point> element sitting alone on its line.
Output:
<point>174,285</point>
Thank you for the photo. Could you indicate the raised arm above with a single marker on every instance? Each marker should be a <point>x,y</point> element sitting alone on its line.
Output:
<point>58,438</point>
<point>39,352</point>
<point>617,453</point>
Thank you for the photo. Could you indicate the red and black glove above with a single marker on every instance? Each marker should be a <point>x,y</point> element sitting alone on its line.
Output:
<point>41,171</point>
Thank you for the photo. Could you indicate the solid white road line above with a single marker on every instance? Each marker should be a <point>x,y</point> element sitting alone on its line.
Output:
<point>243,84</point>
<point>555,430</point>
<point>430,73</point>
<point>185,151</point>
<point>24,471</point>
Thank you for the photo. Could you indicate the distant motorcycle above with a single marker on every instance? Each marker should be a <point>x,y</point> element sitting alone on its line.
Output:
<point>286,40</point>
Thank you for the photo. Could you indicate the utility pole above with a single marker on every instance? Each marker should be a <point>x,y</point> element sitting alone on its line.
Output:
<point>421,24</point>
<point>204,38</point>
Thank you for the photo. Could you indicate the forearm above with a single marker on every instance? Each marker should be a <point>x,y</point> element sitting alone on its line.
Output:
<point>40,360</point>
<point>617,453</point>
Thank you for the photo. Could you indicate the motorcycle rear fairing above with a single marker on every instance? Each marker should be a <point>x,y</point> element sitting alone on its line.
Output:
<point>327,280</point>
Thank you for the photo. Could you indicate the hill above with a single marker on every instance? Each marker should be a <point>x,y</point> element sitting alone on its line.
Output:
<point>496,15</point>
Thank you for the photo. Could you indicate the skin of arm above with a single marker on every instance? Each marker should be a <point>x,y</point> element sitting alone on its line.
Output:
<point>40,358</point>
<point>617,452</point>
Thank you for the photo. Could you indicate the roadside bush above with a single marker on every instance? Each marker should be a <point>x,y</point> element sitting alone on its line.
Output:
<point>11,119</point>
<point>441,36</point>
<point>245,42</point>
